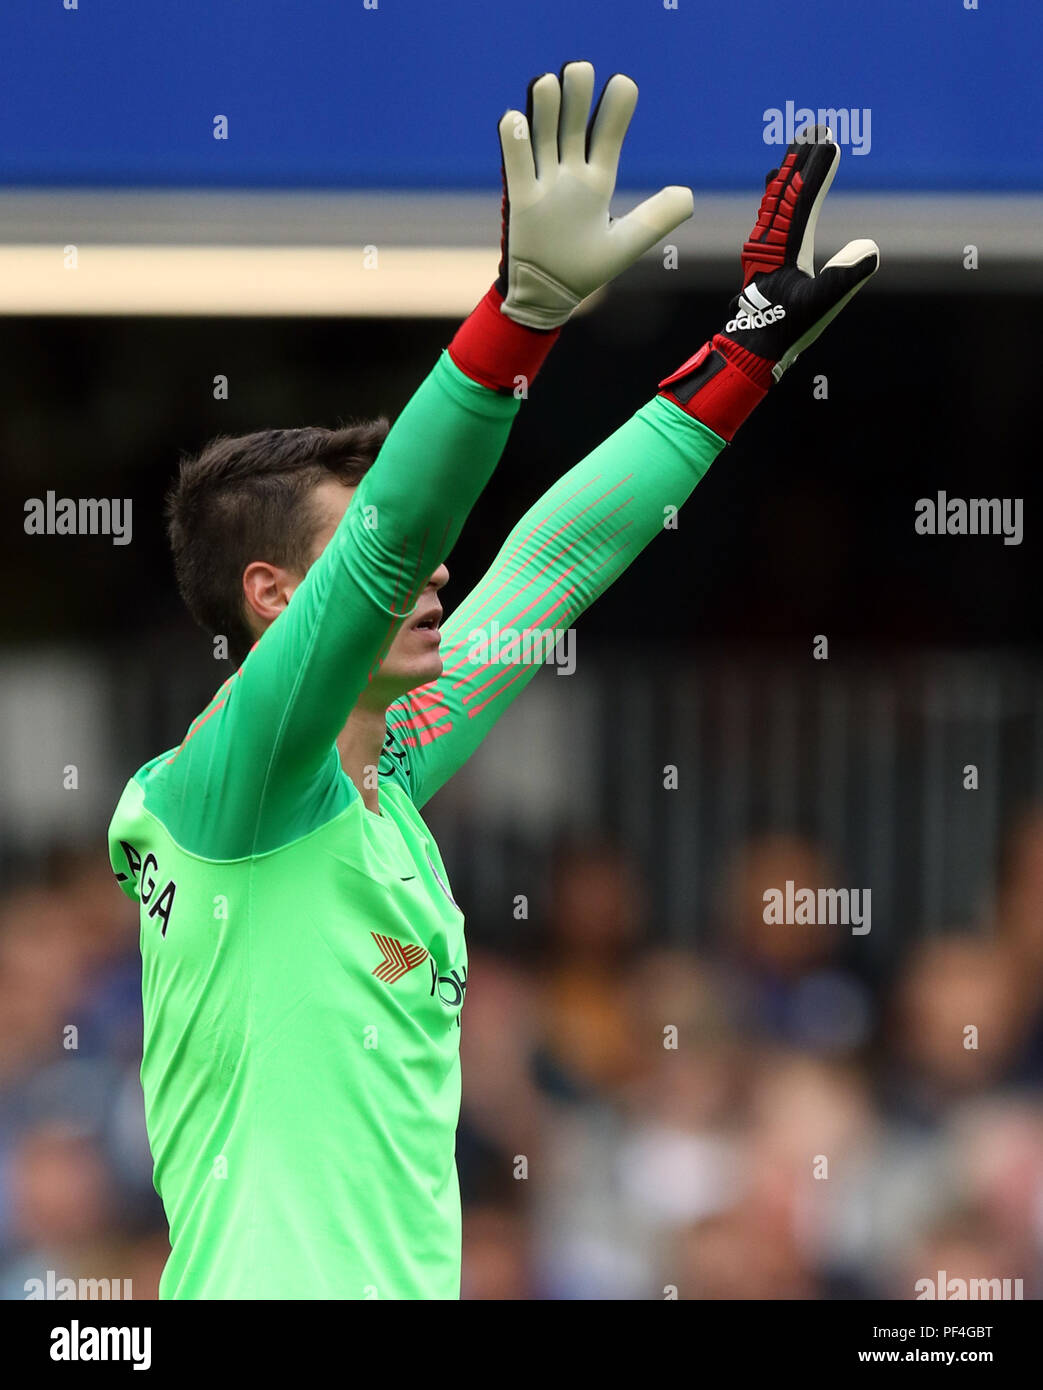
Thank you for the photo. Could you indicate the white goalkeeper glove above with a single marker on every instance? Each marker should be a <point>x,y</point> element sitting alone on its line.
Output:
<point>560,242</point>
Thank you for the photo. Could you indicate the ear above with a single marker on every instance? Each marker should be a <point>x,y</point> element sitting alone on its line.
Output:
<point>267,589</point>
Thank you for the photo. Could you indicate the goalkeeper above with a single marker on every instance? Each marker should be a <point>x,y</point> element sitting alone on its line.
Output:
<point>304,962</point>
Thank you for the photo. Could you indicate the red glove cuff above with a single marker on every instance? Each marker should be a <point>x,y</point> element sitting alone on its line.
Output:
<point>494,350</point>
<point>720,385</point>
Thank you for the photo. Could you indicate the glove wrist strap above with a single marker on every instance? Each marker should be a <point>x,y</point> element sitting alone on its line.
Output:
<point>495,351</point>
<point>720,385</point>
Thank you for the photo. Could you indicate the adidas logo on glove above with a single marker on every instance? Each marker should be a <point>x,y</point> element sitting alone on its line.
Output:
<point>755,311</point>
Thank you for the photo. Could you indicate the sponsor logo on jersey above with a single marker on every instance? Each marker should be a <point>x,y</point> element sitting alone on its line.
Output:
<point>398,958</point>
<point>450,988</point>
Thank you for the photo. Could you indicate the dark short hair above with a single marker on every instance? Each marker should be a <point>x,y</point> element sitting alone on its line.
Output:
<point>249,498</point>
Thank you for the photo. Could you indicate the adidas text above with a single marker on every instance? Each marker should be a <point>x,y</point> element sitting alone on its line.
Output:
<point>761,319</point>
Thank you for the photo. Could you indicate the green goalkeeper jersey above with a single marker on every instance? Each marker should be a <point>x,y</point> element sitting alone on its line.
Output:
<point>304,962</point>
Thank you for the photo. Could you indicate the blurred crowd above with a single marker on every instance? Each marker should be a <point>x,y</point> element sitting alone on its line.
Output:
<point>768,1119</point>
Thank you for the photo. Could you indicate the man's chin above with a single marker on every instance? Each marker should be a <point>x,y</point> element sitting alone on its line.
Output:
<point>431,671</point>
<point>417,674</point>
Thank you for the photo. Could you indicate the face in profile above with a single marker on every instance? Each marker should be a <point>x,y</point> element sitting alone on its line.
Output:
<point>414,657</point>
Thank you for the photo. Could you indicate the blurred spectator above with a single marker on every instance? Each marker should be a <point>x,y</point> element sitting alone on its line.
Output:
<point>496,1260</point>
<point>1020,929</point>
<point>75,1171</point>
<point>957,1026</point>
<point>62,1207</point>
<point>730,1257</point>
<point>596,922</point>
<point>789,979</point>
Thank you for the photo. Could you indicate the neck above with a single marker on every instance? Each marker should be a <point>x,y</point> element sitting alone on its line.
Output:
<point>360,744</point>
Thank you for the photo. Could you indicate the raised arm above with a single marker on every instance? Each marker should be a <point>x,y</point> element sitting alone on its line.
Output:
<point>563,553</point>
<point>595,520</point>
<point>261,761</point>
